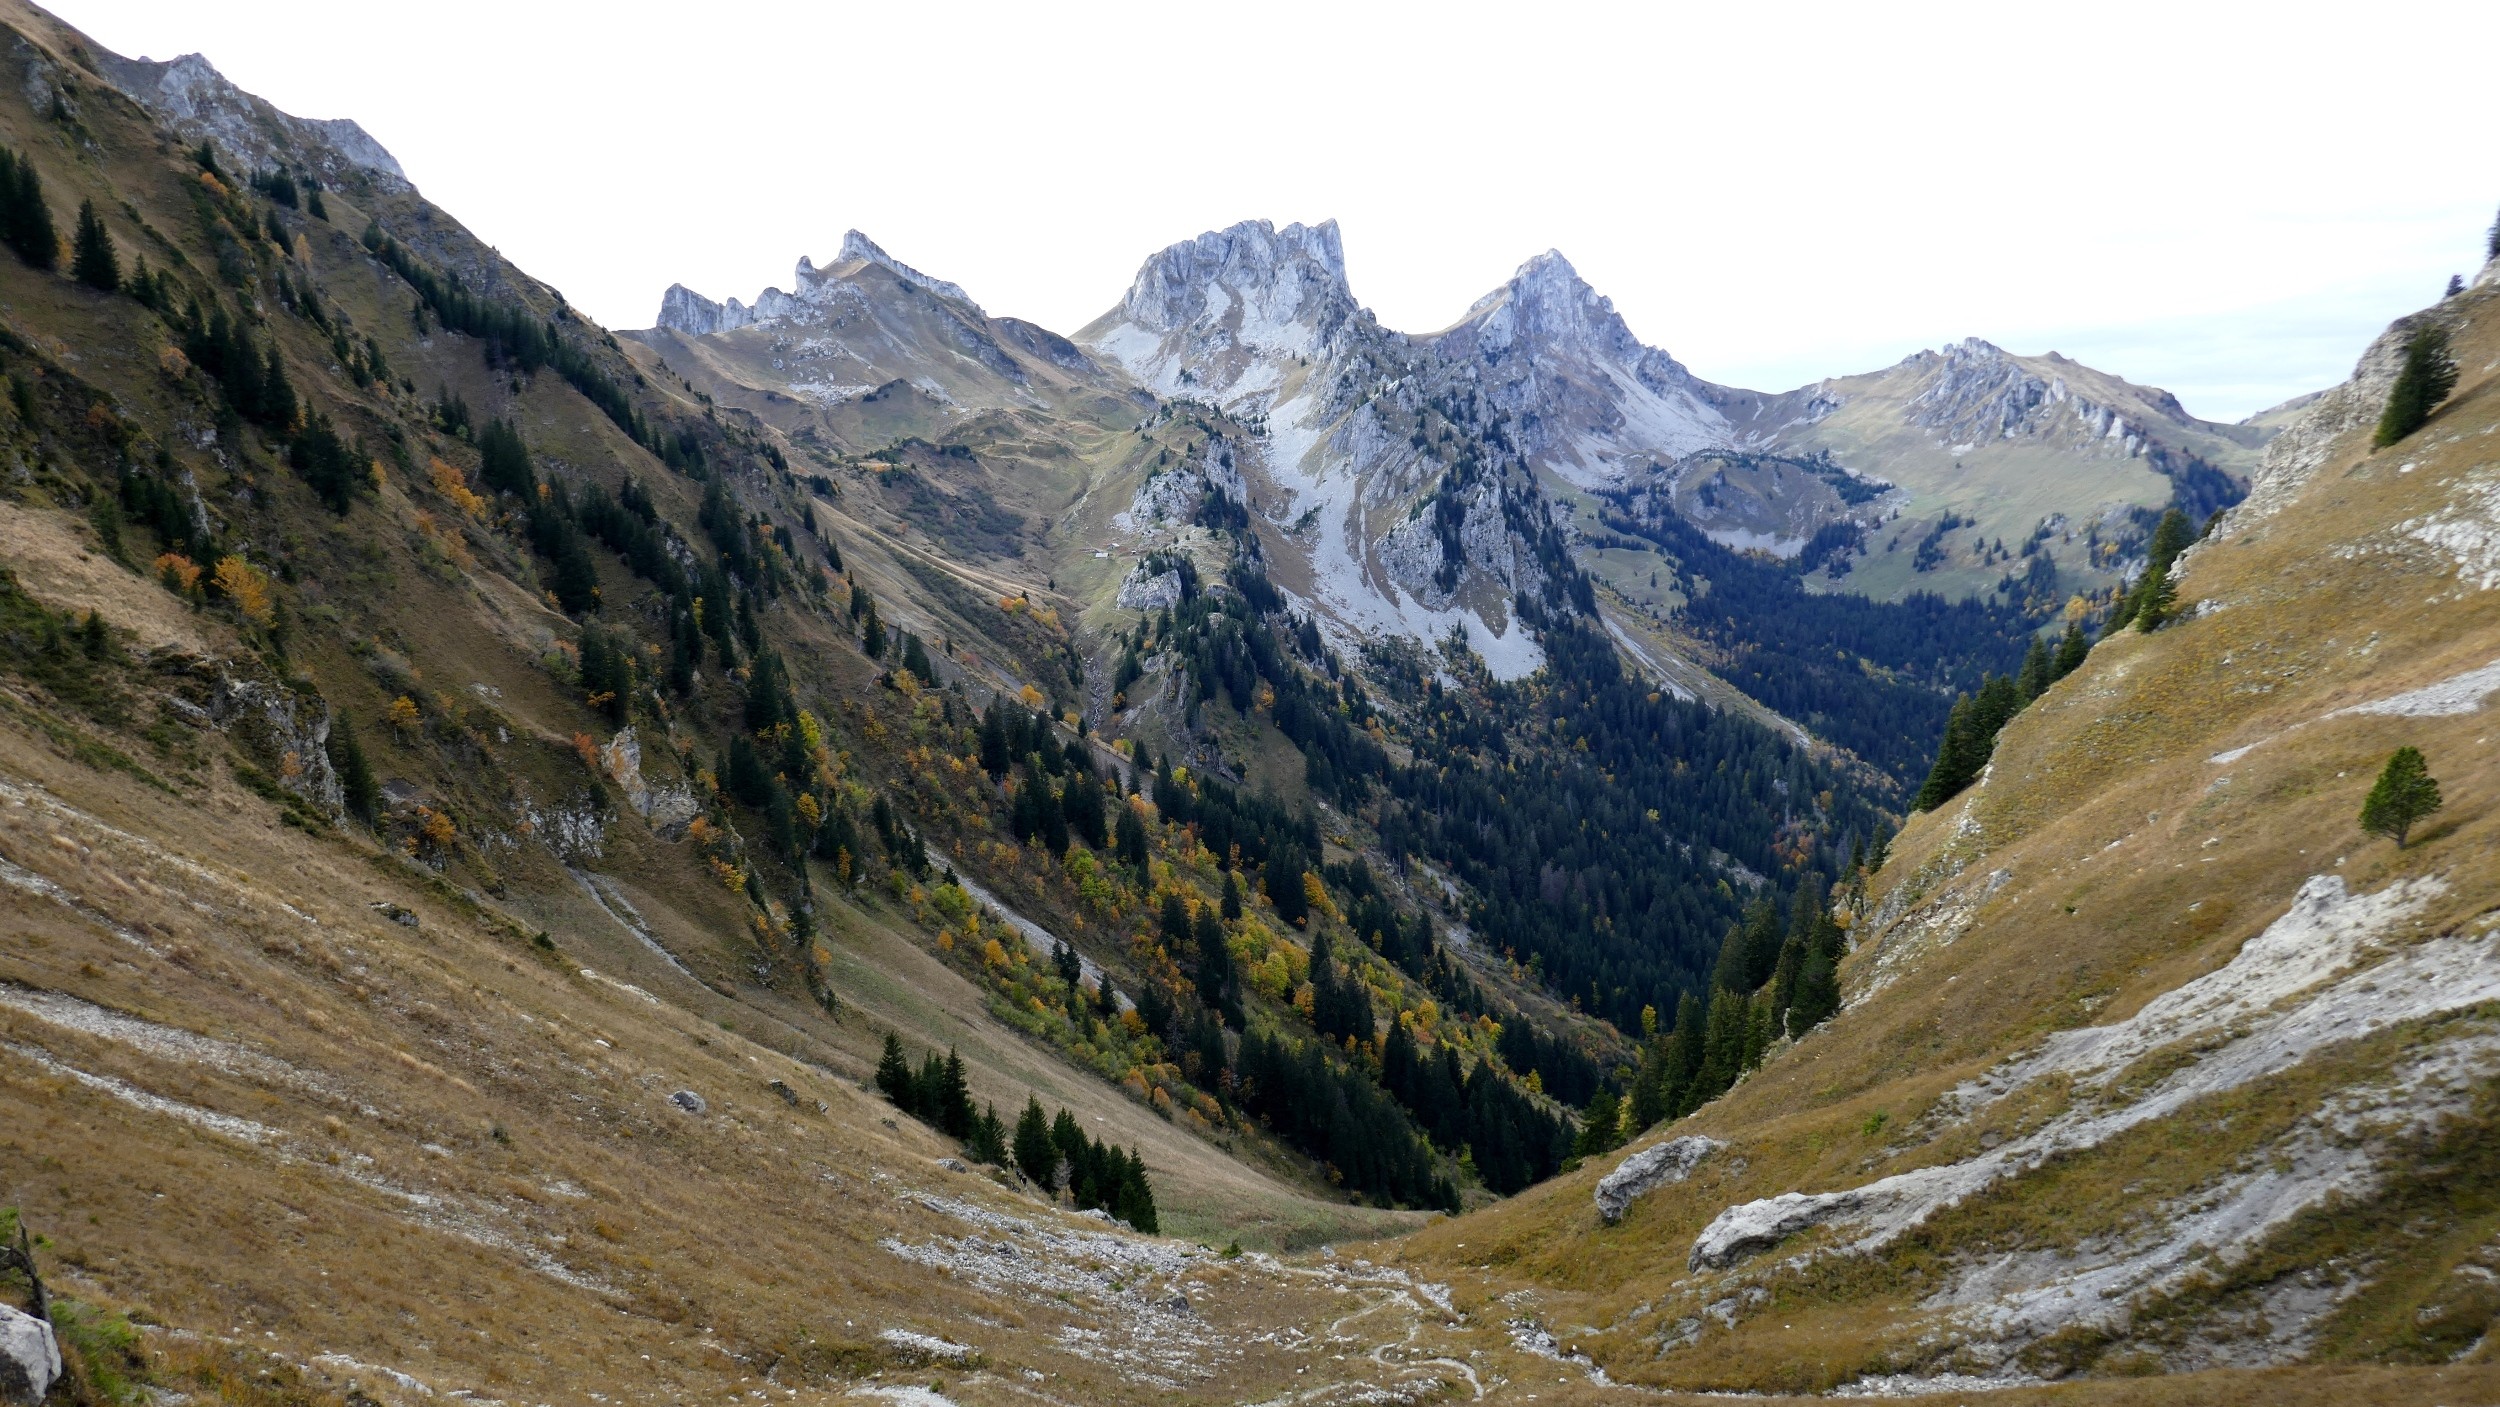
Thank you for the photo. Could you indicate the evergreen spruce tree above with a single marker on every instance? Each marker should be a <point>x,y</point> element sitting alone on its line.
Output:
<point>1067,1141</point>
<point>988,1143</point>
<point>2071,650</point>
<point>2429,374</point>
<point>994,756</point>
<point>1732,973</point>
<point>894,1077</point>
<point>1687,1051</point>
<point>1759,1031</point>
<point>1135,1202</point>
<point>2404,793</point>
<point>872,636</point>
<point>25,221</point>
<point>1650,1099</point>
<point>1958,759</point>
<point>1600,1124</point>
<point>1036,1156</point>
<point>92,259</point>
<point>2153,599</point>
<point>504,462</point>
<point>1217,980</point>
<point>1817,995</point>
<point>356,784</point>
<point>1722,1046</point>
<point>1129,837</point>
<point>2033,679</point>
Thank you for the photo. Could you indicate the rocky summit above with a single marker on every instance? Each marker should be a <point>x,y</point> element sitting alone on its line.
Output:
<point>843,846</point>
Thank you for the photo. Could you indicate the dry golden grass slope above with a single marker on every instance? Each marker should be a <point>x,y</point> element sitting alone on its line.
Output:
<point>2152,1062</point>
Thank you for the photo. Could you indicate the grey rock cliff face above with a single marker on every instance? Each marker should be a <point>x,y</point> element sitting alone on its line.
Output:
<point>190,95</point>
<point>814,293</point>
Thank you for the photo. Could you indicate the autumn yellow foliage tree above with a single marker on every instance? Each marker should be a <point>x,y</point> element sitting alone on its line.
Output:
<point>248,588</point>
<point>402,715</point>
<point>452,485</point>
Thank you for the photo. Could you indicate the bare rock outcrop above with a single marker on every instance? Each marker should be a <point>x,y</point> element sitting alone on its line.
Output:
<point>1650,1169</point>
<point>30,1357</point>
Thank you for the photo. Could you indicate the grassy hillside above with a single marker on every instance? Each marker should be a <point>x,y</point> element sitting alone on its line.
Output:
<point>2182,810</point>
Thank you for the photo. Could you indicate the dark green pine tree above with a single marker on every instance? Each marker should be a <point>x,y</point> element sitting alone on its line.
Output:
<point>2429,374</point>
<point>277,395</point>
<point>1958,759</point>
<point>25,221</point>
<point>1129,836</point>
<point>1599,1124</point>
<point>1036,1156</point>
<point>894,1077</point>
<point>1816,996</point>
<point>954,1111</point>
<point>504,462</point>
<point>994,757</point>
<point>2149,605</point>
<point>92,258</point>
<point>2404,794</point>
<point>988,1143</point>
<point>1067,1142</point>
<point>1217,980</point>
<point>872,637</point>
<point>1649,1099</point>
<point>347,758</point>
<point>1722,1046</point>
<point>1686,1051</point>
<point>2071,649</point>
<point>1804,916</point>
<point>2033,679</point>
<point>1135,1203</point>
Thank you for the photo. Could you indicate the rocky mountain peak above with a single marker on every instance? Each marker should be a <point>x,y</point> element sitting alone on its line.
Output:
<point>1547,306</point>
<point>1277,277</point>
<point>191,96</point>
<point>859,248</point>
<point>1202,312</point>
<point>686,311</point>
<point>1589,396</point>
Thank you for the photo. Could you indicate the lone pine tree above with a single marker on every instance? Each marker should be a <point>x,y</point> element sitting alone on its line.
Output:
<point>2404,793</point>
<point>2428,376</point>
<point>2149,604</point>
<point>92,259</point>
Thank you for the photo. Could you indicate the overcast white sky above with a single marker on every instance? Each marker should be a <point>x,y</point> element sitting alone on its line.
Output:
<point>2227,200</point>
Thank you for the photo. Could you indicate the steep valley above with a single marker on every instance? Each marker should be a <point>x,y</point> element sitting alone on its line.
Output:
<point>541,865</point>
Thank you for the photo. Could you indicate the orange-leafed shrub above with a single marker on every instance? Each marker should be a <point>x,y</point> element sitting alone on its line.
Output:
<point>179,573</point>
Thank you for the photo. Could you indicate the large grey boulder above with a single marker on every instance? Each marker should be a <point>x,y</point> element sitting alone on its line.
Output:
<point>1650,1169</point>
<point>30,1357</point>
<point>1759,1225</point>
